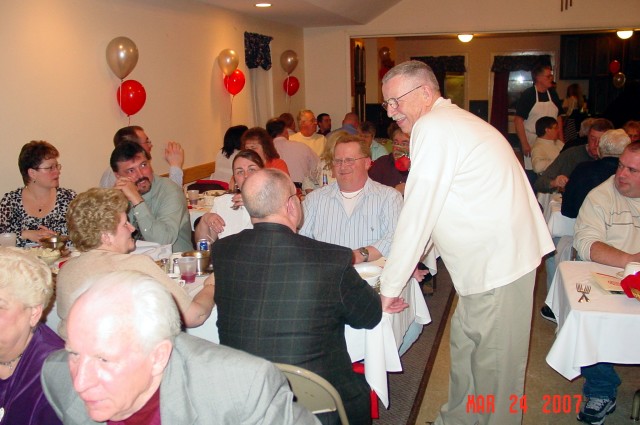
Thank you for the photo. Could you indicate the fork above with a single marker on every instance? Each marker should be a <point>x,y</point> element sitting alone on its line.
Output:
<point>584,289</point>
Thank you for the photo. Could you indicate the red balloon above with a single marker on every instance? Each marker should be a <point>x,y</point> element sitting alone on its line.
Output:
<point>291,85</point>
<point>614,66</point>
<point>131,97</point>
<point>234,83</point>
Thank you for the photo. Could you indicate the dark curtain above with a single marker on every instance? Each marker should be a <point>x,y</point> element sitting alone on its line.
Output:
<point>500,102</point>
<point>257,52</point>
<point>502,66</point>
<point>441,65</point>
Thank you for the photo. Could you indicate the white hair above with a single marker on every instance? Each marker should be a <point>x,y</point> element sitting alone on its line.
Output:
<point>150,310</point>
<point>416,70</point>
<point>25,277</point>
<point>613,142</point>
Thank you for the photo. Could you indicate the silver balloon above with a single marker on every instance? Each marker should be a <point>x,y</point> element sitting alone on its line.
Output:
<point>122,56</point>
<point>228,61</point>
<point>619,79</point>
<point>289,61</point>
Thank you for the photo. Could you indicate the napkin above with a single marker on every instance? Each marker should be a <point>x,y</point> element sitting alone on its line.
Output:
<point>631,286</point>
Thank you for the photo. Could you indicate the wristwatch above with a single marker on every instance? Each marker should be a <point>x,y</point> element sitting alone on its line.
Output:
<point>365,254</point>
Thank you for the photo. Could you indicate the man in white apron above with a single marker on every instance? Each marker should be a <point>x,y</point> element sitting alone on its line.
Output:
<point>534,103</point>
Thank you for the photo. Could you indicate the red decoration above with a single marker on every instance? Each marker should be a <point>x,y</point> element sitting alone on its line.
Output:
<point>291,85</point>
<point>131,97</point>
<point>403,163</point>
<point>614,66</point>
<point>234,83</point>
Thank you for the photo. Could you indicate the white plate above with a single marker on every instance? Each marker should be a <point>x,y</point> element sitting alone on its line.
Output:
<point>369,272</point>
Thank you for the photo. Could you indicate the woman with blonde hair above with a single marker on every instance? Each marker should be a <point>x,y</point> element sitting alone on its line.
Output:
<point>100,230</point>
<point>25,291</point>
<point>324,173</point>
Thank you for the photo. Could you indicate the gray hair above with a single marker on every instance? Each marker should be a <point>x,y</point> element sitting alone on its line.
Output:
<point>150,310</point>
<point>613,142</point>
<point>264,197</point>
<point>585,126</point>
<point>25,277</point>
<point>302,113</point>
<point>415,70</point>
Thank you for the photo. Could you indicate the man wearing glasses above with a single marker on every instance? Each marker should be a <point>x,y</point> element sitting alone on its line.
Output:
<point>468,196</point>
<point>308,125</point>
<point>354,211</point>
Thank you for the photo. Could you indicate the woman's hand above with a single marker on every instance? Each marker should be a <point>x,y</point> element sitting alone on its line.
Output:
<point>237,201</point>
<point>36,235</point>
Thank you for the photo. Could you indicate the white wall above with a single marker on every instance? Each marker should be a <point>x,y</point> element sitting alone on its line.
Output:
<point>326,49</point>
<point>56,84</point>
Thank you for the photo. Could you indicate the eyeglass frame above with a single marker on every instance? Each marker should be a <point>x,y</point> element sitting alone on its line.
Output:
<point>394,101</point>
<point>348,162</point>
<point>50,169</point>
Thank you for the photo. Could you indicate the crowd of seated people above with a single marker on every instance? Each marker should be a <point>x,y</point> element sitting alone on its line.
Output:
<point>353,200</point>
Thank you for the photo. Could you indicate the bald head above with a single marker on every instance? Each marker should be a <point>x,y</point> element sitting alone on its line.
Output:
<point>266,191</point>
<point>352,119</point>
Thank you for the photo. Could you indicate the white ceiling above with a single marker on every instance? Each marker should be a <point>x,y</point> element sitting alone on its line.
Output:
<point>310,13</point>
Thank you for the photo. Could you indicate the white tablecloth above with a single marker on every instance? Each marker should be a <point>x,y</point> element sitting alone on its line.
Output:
<point>559,225</point>
<point>603,330</point>
<point>378,347</point>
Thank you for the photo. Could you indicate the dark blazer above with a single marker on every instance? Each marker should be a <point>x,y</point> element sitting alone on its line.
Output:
<point>583,179</point>
<point>287,298</point>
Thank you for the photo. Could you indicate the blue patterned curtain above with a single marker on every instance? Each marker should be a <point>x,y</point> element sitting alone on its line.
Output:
<point>257,52</point>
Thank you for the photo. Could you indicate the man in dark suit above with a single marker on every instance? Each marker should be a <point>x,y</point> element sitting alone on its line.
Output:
<point>286,297</point>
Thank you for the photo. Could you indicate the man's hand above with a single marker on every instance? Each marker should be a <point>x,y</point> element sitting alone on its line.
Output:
<point>526,148</point>
<point>174,154</point>
<point>393,305</point>
<point>559,182</point>
<point>419,274</point>
<point>130,190</point>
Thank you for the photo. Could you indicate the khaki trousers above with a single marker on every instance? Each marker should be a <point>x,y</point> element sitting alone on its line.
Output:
<point>489,350</point>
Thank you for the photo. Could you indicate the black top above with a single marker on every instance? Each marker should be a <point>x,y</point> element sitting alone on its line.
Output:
<point>528,99</point>
<point>584,178</point>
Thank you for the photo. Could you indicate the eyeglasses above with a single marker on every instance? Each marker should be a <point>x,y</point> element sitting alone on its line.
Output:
<point>393,102</point>
<point>348,162</point>
<point>50,169</point>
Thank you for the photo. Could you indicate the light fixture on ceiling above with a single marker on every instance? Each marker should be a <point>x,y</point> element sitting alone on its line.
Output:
<point>625,34</point>
<point>263,4</point>
<point>465,38</point>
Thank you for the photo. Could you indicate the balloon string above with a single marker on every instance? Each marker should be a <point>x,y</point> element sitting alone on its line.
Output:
<point>231,111</point>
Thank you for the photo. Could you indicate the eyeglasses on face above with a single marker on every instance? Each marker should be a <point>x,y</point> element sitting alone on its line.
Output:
<point>393,102</point>
<point>348,162</point>
<point>57,167</point>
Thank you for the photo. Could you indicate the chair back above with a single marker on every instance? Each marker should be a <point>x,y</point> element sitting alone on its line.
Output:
<point>313,391</point>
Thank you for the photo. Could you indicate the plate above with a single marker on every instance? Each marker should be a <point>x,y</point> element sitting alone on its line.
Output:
<point>215,192</point>
<point>369,272</point>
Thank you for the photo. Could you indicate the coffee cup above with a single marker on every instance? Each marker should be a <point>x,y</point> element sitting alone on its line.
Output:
<point>8,239</point>
<point>193,196</point>
<point>631,268</point>
<point>208,200</point>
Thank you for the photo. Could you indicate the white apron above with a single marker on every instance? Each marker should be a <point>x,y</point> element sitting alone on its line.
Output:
<point>539,110</point>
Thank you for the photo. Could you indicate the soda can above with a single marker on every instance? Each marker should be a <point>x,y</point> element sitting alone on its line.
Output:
<point>203,245</point>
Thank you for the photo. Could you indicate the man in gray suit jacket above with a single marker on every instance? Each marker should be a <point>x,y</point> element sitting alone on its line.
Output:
<point>286,297</point>
<point>126,359</point>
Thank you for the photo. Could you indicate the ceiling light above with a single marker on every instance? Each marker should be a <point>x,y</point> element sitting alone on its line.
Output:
<point>465,38</point>
<point>263,4</point>
<point>625,34</point>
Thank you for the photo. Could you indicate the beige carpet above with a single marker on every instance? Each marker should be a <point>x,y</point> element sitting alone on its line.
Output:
<point>542,381</point>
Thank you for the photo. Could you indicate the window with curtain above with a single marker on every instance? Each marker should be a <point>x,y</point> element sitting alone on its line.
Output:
<point>450,73</point>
